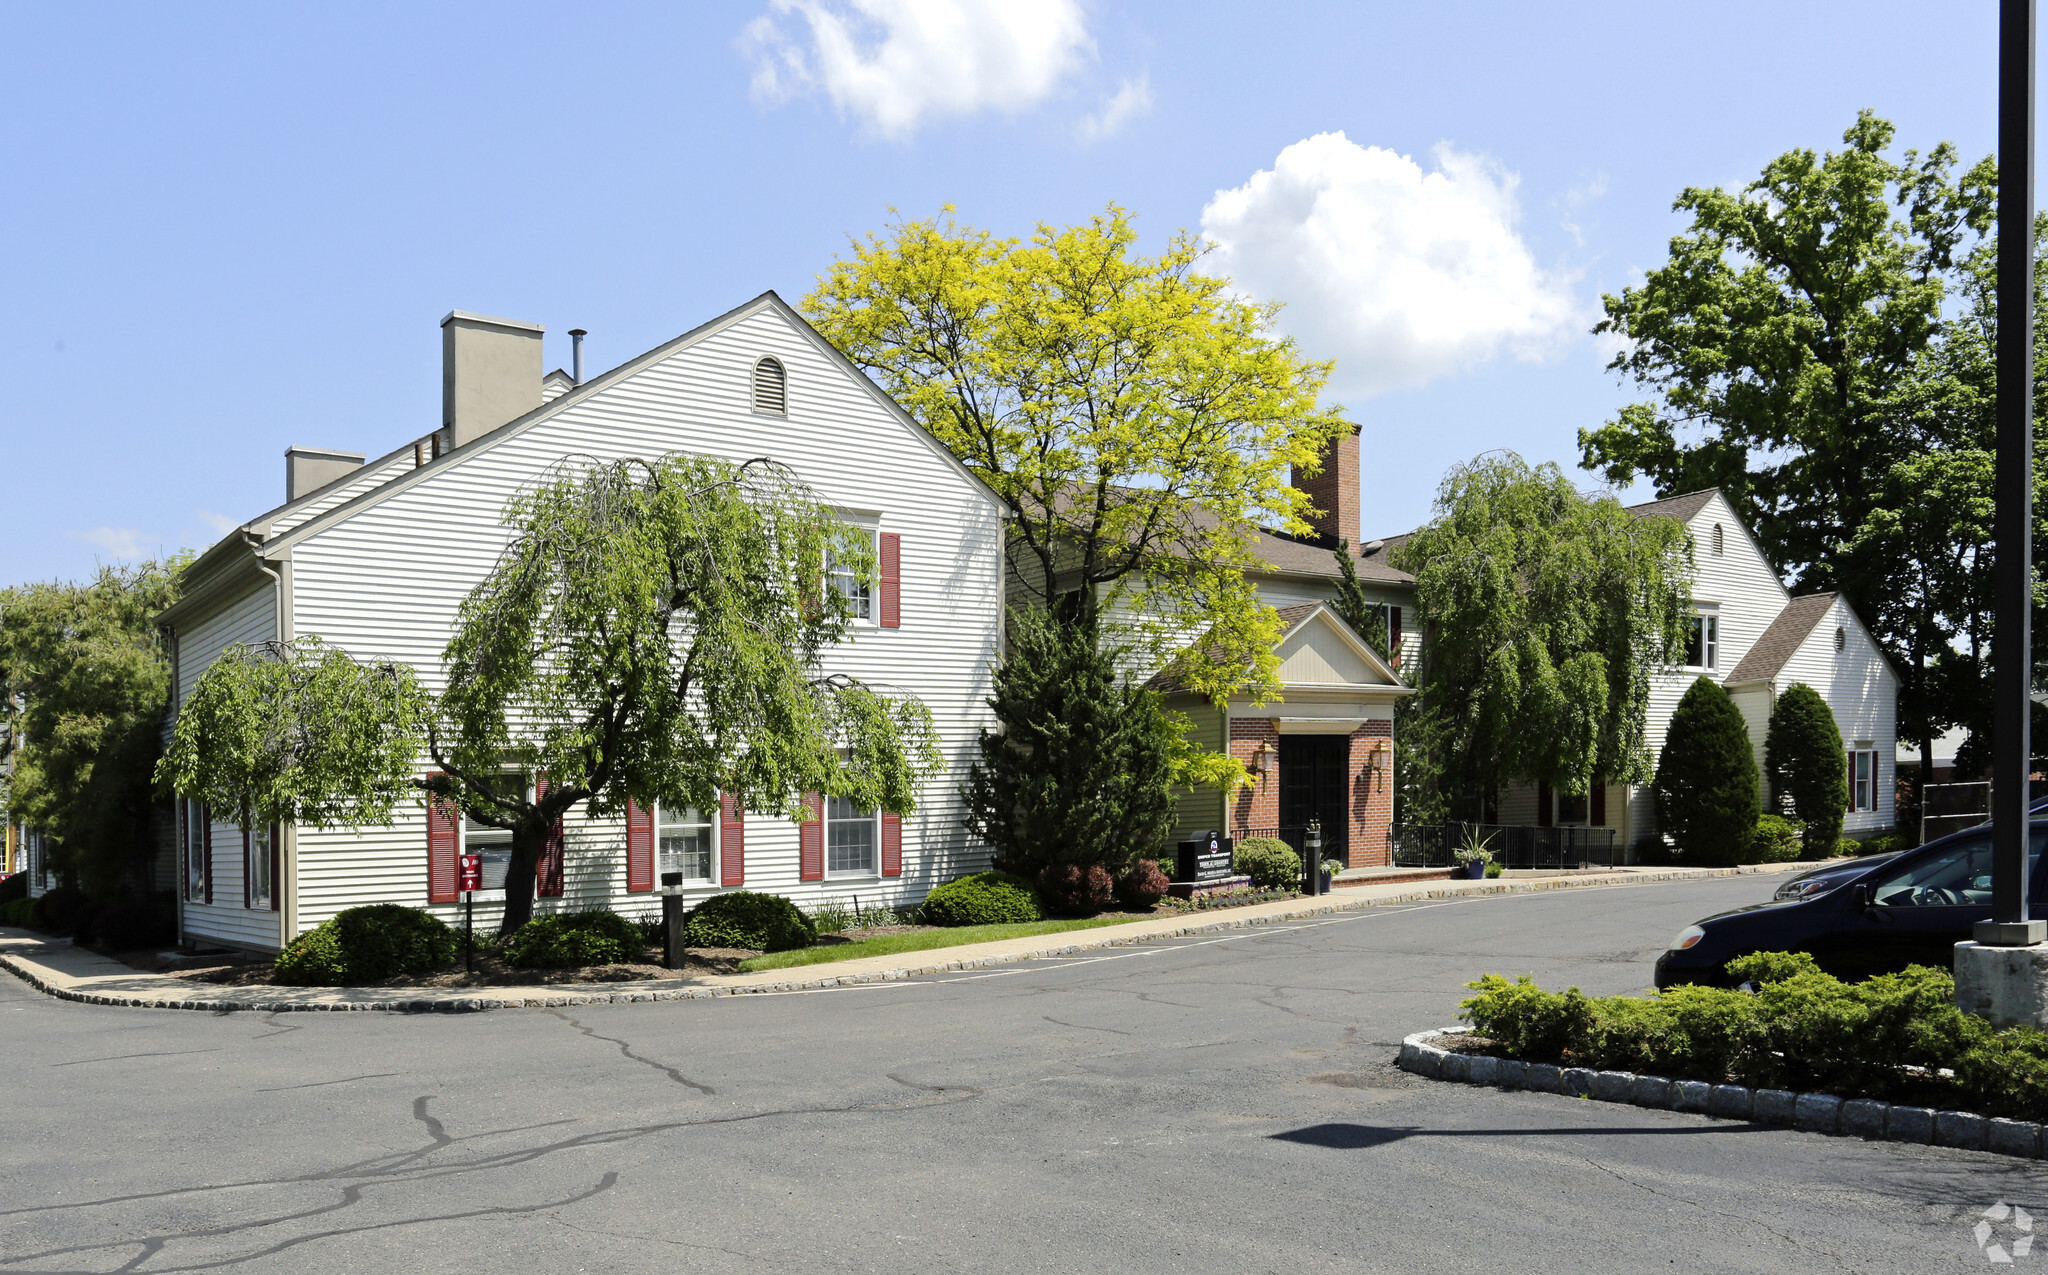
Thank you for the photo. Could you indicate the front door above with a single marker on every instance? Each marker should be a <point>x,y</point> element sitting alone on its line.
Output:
<point>1315,783</point>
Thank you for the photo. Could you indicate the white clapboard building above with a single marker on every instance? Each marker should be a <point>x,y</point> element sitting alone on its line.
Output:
<point>375,556</point>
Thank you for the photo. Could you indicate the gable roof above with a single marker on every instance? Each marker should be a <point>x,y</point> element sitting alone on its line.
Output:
<point>1682,507</point>
<point>1376,564</point>
<point>1778,643</point>
<point>1292,618</point>
<point>1297,557</point>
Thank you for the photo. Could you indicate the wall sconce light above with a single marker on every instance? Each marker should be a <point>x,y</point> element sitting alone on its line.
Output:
<point>1380,761</point>
<point>1261,760</point>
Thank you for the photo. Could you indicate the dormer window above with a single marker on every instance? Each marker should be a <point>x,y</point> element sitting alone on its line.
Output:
<point>1720,540</point>
<point>771,387</point>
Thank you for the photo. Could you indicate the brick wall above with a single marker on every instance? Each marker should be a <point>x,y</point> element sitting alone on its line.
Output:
<point>1372,795</point>
<point>1258,805</point>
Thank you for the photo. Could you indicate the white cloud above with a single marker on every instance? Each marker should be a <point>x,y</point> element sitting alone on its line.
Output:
<point>119,543</point>
<point>1132,99</point>
<point>1401,275</point>
<point>219,524</point>
<point>894,64</point>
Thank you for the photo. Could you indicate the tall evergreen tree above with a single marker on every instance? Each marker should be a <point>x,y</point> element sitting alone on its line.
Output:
<point>1706,784</point>
<point>1807,767</point>
<point>1081,768</point>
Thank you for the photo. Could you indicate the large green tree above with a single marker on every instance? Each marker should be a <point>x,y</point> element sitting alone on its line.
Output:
<point>83,688</point>
<point>655,631</point>
<point>1819,347</point>
<point>1706,787</point>
<point>1136,416</point>
<point>1545,614</point>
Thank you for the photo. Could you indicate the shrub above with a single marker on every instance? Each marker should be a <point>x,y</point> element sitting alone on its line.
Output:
<point>985,898</point>
<point>1492,870</point>
<point>578,938</point>
<point>1803,762</point>
<point>1142,886</point>
<point>1706,784</point>
<point>57,908</point>
<point>14,887</point>
<point>85,921</point>
<point>1848,846</point>
<point>1774,840</point>
<point>131,921</point>
<point>1270,862</point>
<point>366,945</point>
<point>18,912</point>
<point>1884,843</point>
<point>1073,890</point>
<point>1080,768</point>
<point>744,919</point>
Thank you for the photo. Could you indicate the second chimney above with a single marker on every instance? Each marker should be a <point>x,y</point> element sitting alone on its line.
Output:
<point>490,373</point>
<point>1334,491</point>
<point>311,468</point>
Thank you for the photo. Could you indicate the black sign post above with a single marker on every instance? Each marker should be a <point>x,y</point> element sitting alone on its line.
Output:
<point>2012,641</point>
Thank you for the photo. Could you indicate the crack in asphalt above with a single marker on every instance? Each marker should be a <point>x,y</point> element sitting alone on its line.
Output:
<point>321,1084</point>
<point>1084,1026</point>
<point>1740,1217</point>
<point>627,1050</point>
<point>166,1053</point>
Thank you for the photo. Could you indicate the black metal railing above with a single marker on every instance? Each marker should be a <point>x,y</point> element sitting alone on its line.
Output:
<point>1512,846</point>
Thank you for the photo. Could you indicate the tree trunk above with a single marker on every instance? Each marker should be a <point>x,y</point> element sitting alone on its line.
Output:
<point>527,842</point>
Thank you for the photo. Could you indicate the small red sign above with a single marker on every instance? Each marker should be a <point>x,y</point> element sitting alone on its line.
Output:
<point>471,867</point>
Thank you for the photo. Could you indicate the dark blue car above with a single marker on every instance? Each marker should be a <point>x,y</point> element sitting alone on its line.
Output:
<point>1864,916</point>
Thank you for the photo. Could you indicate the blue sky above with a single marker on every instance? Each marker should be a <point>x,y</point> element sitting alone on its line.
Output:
<point>232,228</point>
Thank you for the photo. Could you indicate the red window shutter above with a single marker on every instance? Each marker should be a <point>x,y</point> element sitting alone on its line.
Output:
<point>810,841</point>
<point>206,824</point>
<point>547,874</point>
<point>639,848</point>
<point>892,580</point>
<point>1543,805</point>
<point>276,863</point>
<point>1596,804</point>
<point>248,845</point>
<point>892,845</point>
<point>444,842</point>
<point>732,841</point>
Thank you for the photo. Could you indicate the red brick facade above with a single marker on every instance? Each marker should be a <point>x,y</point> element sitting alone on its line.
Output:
<point>1334,491</point>
<point>1371,791</point>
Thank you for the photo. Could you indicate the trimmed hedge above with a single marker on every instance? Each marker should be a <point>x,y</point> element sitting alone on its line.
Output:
<point>1143,886</point>
<point>20,912</point>
<point>985,898</point>
<point>744,919</point>
<point>366,945</point>
<point>1776,840</point>
<point>1886,1037</point>
<point>1270,862</point>
<point>577,938</point>
<point>1706,787</point>
<point>125,922</point>
<point>14,887</point>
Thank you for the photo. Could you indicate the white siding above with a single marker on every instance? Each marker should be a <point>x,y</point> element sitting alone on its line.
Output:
<point>246,619</point>
<point>373,475</point>
<point>1862,692</point>
<point>386,581</point>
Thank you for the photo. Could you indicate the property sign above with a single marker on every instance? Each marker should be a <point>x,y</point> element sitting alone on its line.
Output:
<point>470,870</point>
<point>1205,859</point>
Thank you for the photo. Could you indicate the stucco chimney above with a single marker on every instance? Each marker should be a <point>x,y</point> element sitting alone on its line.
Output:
<point>1334,491</point>
<point>311,468</point>
<point>490,373</point>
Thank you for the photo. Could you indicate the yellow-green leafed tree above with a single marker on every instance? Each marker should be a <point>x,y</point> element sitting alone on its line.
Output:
<point>1138,417</point>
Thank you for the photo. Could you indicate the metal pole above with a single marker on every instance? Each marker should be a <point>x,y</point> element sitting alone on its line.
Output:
<point>2012,635</point>
<point>469,931</point>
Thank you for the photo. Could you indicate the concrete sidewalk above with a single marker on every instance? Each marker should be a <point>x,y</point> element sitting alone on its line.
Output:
<point>56,967</point>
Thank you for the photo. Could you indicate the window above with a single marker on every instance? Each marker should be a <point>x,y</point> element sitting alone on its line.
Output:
<point>1955,877</point>
<point>258,866</point>
<point>683,841</point>
<point>1720,540</point>
<point>1571,809</point>
<point>851,837</point>
<point>1703,641</point>
<point>771,388</point>
<point>493,845</point>
<point>859,595</point>
<point>1841,638</point>
<point>195,851</point>
<point>1863,779</point>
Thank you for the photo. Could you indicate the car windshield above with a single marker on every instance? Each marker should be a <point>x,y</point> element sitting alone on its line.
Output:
<point>1956,875</point>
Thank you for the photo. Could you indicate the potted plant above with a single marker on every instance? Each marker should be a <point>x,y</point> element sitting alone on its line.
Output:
<point>1473,857</point>
<point>1331,867</point>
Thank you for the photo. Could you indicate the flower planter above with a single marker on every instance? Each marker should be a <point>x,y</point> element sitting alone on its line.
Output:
<point>1471,870</point>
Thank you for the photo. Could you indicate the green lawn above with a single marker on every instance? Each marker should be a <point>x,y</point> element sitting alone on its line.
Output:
<point>919,941</point>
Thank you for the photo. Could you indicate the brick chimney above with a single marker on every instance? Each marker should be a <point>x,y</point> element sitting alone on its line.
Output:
<point>1334,491</point>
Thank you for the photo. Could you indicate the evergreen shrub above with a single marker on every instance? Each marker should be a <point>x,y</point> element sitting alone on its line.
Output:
<point>1803,761</point>
<point>1775,839</point>
<point>367,945</point>
<point>576,938</point>
<point>1071,889</point>
<point>56,909</point>
<point>1270,862</point>
<point>985,898</point>
<point>14,887</point>
<point>20,912</point>
<point>745,919</point>
<point>1706,785</point>
<point>1142,885</point>
<point>130,921</point>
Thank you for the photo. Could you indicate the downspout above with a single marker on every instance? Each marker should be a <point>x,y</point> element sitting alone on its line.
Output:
<point>277,609</point>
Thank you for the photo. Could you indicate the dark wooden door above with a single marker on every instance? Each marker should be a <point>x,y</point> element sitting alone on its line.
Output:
<point>1315,783</point>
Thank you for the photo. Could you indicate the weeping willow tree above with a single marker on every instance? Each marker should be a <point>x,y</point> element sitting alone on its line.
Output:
<point>1545,613</point>
<point>655,630</point>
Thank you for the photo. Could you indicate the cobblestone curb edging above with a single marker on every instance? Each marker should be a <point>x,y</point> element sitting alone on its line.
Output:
<point>1808,1112</point>
<point>465,1001</point>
